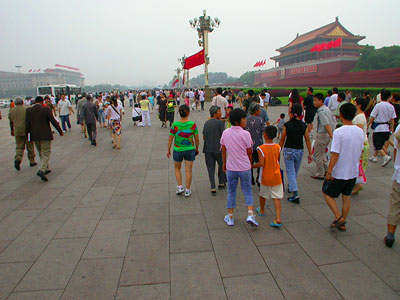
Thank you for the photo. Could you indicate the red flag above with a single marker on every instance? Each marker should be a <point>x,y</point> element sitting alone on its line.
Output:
<point>255,65</point>
<point>39,70</point>
<point>175,82</point>
<point>30,71</point>
<point>322,47</point>
<point>315,48</point>
<point>194,60</point>
<point>329,45</point>
<point>337,43</point>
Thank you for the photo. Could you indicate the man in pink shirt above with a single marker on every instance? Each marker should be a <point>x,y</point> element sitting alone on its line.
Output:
<point>221,102</point>
<point>236,146</point>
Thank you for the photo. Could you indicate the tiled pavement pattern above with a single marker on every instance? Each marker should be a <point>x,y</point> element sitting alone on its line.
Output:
<point>108,225</point>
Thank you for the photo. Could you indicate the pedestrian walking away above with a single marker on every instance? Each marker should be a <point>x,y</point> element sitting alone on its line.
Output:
<point>37,127</point>
<point>17,116</point>
<point>185,136</point>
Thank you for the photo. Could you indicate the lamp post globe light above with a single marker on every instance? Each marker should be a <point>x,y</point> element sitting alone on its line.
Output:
<point>185,72</point>
<point>205,24</point>
<point>178,72</point>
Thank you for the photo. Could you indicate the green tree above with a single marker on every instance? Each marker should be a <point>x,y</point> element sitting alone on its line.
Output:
<point>378,59</point>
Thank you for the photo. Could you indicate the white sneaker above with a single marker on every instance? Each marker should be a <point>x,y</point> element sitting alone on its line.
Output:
<point>373,159</point>
<point>179,190</point>
<point>229,221</point>
<point>251,220</point>
<point>386,160</point>
<point>188,193</point>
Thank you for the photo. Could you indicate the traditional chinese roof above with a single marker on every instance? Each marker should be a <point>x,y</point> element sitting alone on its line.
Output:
<point>330,31</point>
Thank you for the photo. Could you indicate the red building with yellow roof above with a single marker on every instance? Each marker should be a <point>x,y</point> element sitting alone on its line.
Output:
<point>296,65</point>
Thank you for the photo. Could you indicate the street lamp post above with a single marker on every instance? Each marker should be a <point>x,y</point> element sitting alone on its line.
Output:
<point>185,72</point>
<point>204,24</point>
<point>19,72</point>
<point>178,72</point>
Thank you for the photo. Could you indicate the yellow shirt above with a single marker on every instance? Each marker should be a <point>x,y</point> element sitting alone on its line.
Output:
<point>144,105</point>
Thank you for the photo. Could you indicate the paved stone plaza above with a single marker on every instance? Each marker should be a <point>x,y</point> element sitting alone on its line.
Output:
<point>108,225</point>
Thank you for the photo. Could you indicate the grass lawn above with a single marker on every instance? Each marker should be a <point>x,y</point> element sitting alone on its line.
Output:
<point>285,100</point>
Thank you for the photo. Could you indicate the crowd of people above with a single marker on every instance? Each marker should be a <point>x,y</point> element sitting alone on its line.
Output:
<point>239,138</point>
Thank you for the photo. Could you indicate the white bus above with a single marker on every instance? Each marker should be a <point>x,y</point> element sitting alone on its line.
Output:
<point>58,89</point>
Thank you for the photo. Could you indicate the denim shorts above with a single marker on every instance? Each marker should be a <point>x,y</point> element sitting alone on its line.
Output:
<point>188,155</point>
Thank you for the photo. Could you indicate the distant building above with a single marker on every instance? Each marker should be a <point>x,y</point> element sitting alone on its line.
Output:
<point>14,80</point>
<point>296,65</point>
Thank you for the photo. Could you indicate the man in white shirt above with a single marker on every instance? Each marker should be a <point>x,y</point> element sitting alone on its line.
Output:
<point>382,121</point>
<point>221,102</point>
<point>267,99</point>
<point>333,104</point>
<point>130,97</point>
<point>343,169</point>
<point>394,208</point>
<point>64,110</point>
<point>191,99</point>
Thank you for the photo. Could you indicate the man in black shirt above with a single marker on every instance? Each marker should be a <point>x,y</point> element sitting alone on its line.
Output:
<point>309,108</point>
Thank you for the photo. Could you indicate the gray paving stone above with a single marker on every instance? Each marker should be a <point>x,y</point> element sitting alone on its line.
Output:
<point>39,295</point>
<point>8,206</point>
<point>3,245</point>
<point>180,205</point>
<point>42,199</point>
<point>129,185</point>
<point>214,212</point>
<point>10,275</point>
<point>147,260</point>
<point>78,188</point>
<point>156,176</point>
<point>189,234</point>
<point>94,279</point>
<point>110,239</point>
<point>291,212</point>
<point>144,292</point>
<point>135,171</point>
<point>121,207</point>
<point>267,235</point>
<point>154,193</point>
<point>59,210</point>
<point>376,256</point>
<point>31,242</point>
<point>97,196</point>
<point>295,273</point>
<point>236,253</point>
<point>151,218</point>
<point>16,222</point>
<point>81,223</point>
<point>354,280</point>
<point>373,223</point>
<point>188,280</point>
<point>323,215</point>
<point>320,247</point>
<point>55,266</point>
<point>108,179</point>
<point>252,287</point>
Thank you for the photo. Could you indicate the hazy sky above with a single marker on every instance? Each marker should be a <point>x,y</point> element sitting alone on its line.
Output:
<point>134,42</point>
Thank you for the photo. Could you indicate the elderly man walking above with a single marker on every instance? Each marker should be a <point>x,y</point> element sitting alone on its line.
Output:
<point>38,119</point>
<point>90,115</point>
<point>17,126</point>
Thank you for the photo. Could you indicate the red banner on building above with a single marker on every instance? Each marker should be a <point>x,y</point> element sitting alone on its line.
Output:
<point>302,70</point>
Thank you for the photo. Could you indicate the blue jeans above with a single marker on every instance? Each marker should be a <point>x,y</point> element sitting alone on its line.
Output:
<point>102,116</point>
<point>65,119</point>
<point>293,159</point>
<point>245,182</point>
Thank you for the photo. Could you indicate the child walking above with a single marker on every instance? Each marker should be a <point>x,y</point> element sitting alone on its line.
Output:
<point>280,122</point>
<point>271,180</point>
<point>237,147</point>
<point>185,135</point>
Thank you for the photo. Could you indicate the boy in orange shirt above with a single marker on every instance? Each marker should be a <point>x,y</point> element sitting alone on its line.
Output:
<point>271,180</point>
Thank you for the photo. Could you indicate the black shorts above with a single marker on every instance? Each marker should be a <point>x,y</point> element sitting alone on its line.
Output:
<point>338,186</point>
<point>170,116</point>
<point>379,139</point>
